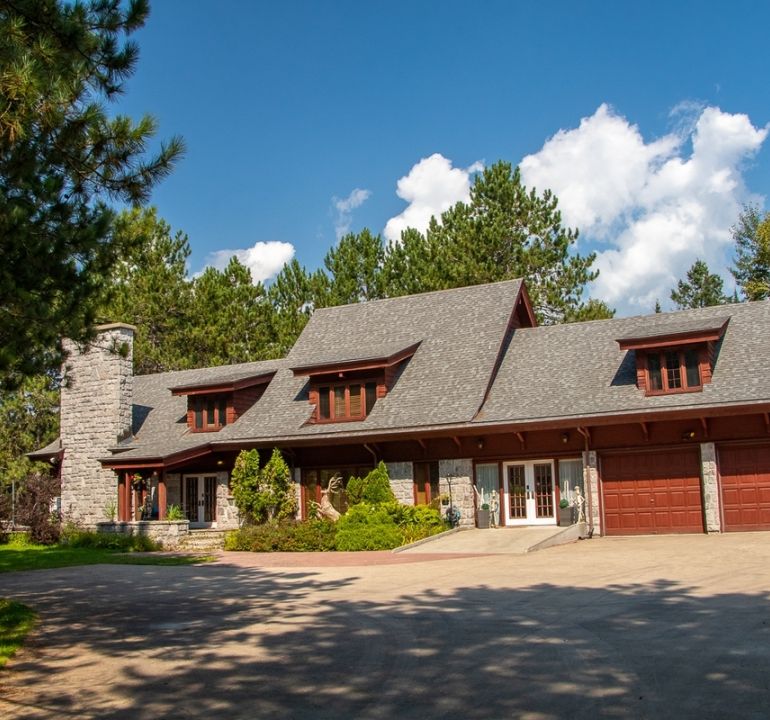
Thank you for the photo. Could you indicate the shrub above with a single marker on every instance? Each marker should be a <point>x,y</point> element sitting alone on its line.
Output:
<point>263,494</point>
<point>374,488</point>
<point>309,536</point>
<point>174,512</point>
<point>75,537</point>
<point>368,526</point>
<point>34,508</point>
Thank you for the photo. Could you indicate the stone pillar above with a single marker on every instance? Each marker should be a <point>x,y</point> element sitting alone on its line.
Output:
<point>710,488</point>
<point>173,489</point>
<point>96,408</point>
<point>227,512</point>
<point>460,473</point>
<point>298,491</point>
<point>401,476</point>
<point>591,485</point>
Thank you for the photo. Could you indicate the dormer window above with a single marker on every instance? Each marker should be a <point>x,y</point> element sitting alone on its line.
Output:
<point>209,411</point>
<point>345,401</point>
<point>675,358</point>
<point>214,403</point>
<point>346,389</point>
<point>673,370</point>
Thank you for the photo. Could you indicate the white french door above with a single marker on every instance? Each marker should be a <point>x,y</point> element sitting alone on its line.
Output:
<point>200,499</point>
<point>529,493</point>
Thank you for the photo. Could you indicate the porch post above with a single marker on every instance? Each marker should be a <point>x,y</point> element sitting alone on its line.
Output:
<point>121,496</point>
<point>162,495</point>
<point>127,498</point>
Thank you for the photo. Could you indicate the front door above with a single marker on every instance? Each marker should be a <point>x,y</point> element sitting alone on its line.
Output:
<point>529,493</point>
<point>200,499</point>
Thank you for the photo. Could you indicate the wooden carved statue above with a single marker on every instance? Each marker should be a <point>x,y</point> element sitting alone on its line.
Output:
<point>326,509</point>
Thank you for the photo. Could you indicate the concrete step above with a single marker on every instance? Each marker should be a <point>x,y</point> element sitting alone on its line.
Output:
<point>203,540</point>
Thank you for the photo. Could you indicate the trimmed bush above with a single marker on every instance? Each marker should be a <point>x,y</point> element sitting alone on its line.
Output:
<point>77,538</point>
<point>368,526</point>
<point>374,488</point>
<point>309,536</point>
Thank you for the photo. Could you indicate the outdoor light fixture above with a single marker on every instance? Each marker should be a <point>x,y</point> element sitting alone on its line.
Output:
<point>220,462</point>
<point>565,438</point>
<point>480,444</point>
<point>689,435</point>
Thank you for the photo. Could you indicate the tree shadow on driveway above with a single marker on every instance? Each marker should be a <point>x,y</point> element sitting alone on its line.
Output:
<point>222,642</point>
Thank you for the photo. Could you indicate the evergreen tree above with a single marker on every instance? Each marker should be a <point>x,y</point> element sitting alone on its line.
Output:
<point>61,158</point>
<point>293,295</point>
<point>701,289</point>
<point>505,231</point>
<point>149,289</point>
<point>657,307</point>
<point>354,269</point>
<point>230,318</point>
<point>29,419</point>
<point>752,253</point>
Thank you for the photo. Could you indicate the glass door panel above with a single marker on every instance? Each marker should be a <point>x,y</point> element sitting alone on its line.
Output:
<point>529,493</point>
<point>191,498</point>
<point>209,499</point>
<point>517,492</point>
<point>543,490</point>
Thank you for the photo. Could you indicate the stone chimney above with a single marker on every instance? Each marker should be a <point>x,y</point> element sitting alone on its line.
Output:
<point>96,409</point>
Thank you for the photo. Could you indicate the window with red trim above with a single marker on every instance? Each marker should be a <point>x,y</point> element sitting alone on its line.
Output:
<point>209,412</point>
<point>351,400</point>
<point>672,370</point>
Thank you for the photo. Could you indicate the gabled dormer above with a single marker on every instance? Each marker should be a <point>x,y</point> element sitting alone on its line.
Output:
<point>345,389</point>
<point>677,358</point>
<point>214,403</point>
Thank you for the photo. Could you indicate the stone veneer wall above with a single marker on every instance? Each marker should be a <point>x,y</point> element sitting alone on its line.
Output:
<point>711,500</point>
<point>591,485</point>
<point>166,532</point>
<point>461,474</point>
<point>96,405</point>
<point>227,513</point>
<point>401,476</point>
<point>173,489</point>
<point>298,491</point>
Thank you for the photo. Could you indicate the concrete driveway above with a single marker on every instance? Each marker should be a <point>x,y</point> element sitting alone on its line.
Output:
<point>675,627</point>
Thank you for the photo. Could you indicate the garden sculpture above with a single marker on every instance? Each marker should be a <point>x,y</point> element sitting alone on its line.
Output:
<point>494,507</point>
<point>326,509</point>
<point>578,502</point>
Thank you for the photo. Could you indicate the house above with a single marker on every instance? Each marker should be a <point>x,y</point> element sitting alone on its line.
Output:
<point>663,421</point>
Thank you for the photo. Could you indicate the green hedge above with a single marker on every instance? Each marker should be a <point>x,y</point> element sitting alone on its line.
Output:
<point>310,536</point>
<point>72,537</point>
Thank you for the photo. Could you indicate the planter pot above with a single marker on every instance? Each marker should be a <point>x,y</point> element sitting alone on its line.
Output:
<point>565,516</point>
<point>482,519</point>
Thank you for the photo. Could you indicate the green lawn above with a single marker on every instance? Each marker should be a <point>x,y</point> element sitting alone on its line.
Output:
<point>18,556</point>
<point>16,620</point>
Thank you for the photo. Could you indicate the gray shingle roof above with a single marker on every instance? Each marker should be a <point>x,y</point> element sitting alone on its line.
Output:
<point>369,352</point>
<point>558,372</point>
<point>684,326</point>
<point>460,332</point>
<point>577,370</point>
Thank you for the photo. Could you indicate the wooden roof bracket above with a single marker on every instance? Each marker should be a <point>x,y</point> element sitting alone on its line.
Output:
<point>456,441</point>
<point>586,433</point>
<point>767,422</point>
<point>422,444</point>
<point>704,423</point>
<point>522,439</point>
<point>645,431</point>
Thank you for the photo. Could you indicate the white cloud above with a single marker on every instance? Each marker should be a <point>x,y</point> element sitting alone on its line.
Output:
<point>345,207</point>
<point>431,187</point>
<point>264,259</point>
<point>656,206</point>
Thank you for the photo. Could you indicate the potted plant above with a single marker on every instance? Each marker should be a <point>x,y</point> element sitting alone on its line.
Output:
<point>565,512</point>
<point>482,516</point>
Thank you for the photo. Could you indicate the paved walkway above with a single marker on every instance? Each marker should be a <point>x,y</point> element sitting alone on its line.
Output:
<point>675,627</point>
<point>511,540</point>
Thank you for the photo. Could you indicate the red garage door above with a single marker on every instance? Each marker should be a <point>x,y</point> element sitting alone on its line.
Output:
<point>647,493</point>
<point>745,478</point>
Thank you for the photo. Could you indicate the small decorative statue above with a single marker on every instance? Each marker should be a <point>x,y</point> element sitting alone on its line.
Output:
<point>578,503</point>
<point>325,508</point>
<point>494,507</point>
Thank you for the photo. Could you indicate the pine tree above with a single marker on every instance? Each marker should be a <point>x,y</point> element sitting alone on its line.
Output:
<point>150,289</point>
<point>61,159</point>
<point>701,289</point>
<point>293,295</point>
<point>354,268</point>
<point>752,253</point>
<point>504,232</point>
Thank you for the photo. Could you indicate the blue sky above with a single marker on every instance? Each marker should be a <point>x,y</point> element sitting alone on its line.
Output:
<point>649,121</point>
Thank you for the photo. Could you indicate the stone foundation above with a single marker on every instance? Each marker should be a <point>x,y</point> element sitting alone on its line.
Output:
<point>166,532</point>
<point>460,473</point>
<point>227,513</point>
